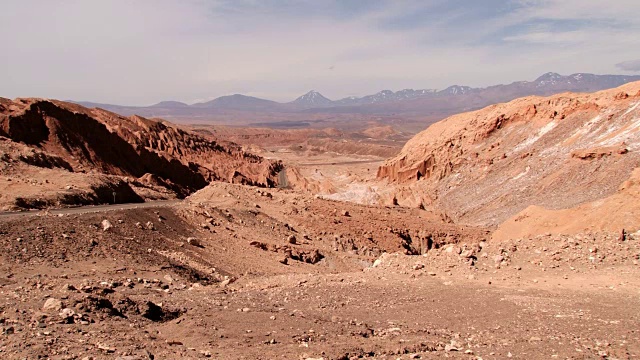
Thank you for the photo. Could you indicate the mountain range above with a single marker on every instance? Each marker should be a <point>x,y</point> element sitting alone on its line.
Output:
<point>422,102</point>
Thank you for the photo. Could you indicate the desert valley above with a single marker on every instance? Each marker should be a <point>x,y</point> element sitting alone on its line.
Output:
<point>319,180</point>
<point>510,231</point>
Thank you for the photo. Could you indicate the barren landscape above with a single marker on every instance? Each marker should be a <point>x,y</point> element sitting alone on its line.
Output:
<point>508,232</point>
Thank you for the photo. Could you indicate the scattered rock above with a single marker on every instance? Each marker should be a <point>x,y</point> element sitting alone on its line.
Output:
<point>106,348</point>
<point>106,225</point>
<point>67,314</point>
<point>52,304</point>
<point>194,242</point>
<point>226,282</point>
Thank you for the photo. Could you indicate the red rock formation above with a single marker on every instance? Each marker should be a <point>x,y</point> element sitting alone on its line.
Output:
<point>485,166</point>
<point>98,140</point>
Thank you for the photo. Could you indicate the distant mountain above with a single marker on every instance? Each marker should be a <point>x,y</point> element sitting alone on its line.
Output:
<point>581,81</point>
<point>384,96</point>
<point>455,90</point>
<point>456,99</point>
<point>312,99</point>
<point>169,105</point>
<point>425,102</point>
<point>239,102</point>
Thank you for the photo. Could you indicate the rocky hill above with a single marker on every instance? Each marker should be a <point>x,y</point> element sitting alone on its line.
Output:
<point>62,137</point>
<point>557,152</point>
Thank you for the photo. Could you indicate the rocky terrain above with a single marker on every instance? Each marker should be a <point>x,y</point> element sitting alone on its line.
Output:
<point>73,155</point>
<point>559,152</point>
<point>243,272</point>
<point>506,233</point>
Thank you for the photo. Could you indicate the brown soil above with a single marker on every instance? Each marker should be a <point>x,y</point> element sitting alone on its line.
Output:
<point>209,279</point>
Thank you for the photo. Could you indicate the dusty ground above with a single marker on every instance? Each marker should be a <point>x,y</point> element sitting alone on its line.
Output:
<point>325,266</point>
<point>140,291</point>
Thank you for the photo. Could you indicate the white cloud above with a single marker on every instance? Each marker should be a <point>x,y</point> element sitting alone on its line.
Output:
<point>145,51</point>
<point>632,65</point>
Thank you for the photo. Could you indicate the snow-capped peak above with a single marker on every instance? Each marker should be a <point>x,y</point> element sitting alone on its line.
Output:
<point>549,78</point>
<point>312,98</point>
<point>456,90</point>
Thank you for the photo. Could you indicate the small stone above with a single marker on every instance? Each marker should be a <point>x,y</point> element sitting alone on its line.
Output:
<point>68,287</point>
<point>67,313</point>
<point>284,261</point>
<point>291,239</point>
<point>150,226</point>
<point>453,250</point>
<point>106,348</point>
<point>106,225</point>
<point>498,259</point>
<point>345,213</point>
<point>52,304</point>
<point>418,266</point>
<point>193,242</point>
<point>450,347</point>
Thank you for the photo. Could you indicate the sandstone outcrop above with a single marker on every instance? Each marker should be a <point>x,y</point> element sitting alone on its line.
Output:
<point>68,138</point>
<point>557,152</point>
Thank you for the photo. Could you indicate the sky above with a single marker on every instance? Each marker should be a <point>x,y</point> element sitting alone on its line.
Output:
<point>145,51</point>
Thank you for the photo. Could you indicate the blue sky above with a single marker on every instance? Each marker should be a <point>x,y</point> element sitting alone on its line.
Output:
<point>141,52</point>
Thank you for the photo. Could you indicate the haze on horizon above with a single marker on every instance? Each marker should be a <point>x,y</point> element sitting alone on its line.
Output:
<point>143,52</point>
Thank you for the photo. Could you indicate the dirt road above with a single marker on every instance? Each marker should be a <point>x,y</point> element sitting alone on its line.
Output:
<point>92,208</point>
<point>337,163</point>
